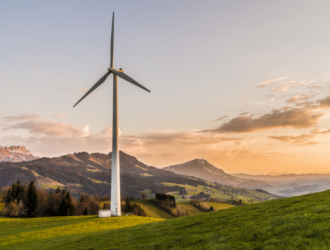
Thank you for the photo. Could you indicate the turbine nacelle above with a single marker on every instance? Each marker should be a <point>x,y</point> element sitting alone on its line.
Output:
<point>117,70</point>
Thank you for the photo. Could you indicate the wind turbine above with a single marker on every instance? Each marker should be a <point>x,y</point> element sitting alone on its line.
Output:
<point>115,169</point>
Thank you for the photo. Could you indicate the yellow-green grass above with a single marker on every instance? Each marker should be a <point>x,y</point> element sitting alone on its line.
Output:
<point>217,206</point>
<point>44,184</point>
<point>187,208</point>
<point>146,175</point>
<point>41,233</point>
<point>96,181</point>
<point>153,210</point>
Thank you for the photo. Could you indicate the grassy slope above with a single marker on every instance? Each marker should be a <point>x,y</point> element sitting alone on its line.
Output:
<point>43,233</point>
<point>291,223</point>
<point>217,206</point>
<point>152,210</point>
<point>188,208</point>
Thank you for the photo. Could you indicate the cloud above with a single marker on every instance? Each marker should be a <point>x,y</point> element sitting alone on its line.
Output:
<point>269,82</point>
<point>298,98</point>
<point>280,89</point>
<point>221,118</point>
<point>277,118</point>
<point>23,117</point>
<point>316,87</point>
<point>48,128</point>
<point>59,115</point>
<point>285,86</point>
<point>302,140</point>
<point>184,138</point>
<point>325,102</point>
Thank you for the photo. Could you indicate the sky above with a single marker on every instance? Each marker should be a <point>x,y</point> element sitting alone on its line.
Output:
<point>242,84</point>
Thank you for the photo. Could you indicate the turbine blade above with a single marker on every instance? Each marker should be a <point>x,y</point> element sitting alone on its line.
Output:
<point>111,43</point>
<point>99,82</point>
<point>127,78</point>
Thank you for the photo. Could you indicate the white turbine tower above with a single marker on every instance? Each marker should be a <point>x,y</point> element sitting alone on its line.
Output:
<point>115,170</point>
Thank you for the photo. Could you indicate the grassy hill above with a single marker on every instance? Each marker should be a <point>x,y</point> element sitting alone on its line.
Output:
<point>289,223</point>
<point>223,194</point>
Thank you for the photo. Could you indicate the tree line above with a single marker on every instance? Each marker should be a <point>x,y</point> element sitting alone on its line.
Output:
<point>28,201</point>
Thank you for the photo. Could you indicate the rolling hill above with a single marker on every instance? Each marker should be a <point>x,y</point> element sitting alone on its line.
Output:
<point>292,184</point>
<point>288,223</point>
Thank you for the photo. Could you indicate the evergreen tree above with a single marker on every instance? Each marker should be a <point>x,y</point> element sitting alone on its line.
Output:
<point>85,211</point>
<point>9,196</point>
<point>32,199</point>
<point>211,209</point>
<point>127,204</point>
<point>66,206</point>
<point>57,190</point>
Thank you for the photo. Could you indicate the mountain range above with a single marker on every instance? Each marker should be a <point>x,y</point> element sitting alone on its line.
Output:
<point>91,173</point>
<point>83,172</point>
<point>15,154</point>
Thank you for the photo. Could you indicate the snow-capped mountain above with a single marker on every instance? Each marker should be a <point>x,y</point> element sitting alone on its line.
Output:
<point>16,154</point>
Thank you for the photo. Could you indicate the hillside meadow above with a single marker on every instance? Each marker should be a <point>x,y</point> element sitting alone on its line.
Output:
<point>225,194</point>
<point>289,223</point>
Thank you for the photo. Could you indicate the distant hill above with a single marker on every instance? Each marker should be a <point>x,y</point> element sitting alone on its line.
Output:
<point>201,168</point>
<point>291,184</point>
<point>15,154</point>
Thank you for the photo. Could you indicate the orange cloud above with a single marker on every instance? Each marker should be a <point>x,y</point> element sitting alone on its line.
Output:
<point>298,98</point>
<point>277,118</point>
<point>302,140</point>
<point>269,82</point>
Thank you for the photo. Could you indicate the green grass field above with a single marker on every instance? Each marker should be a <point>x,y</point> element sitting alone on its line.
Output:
<point>289,223</point>
<point>42,233</point>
